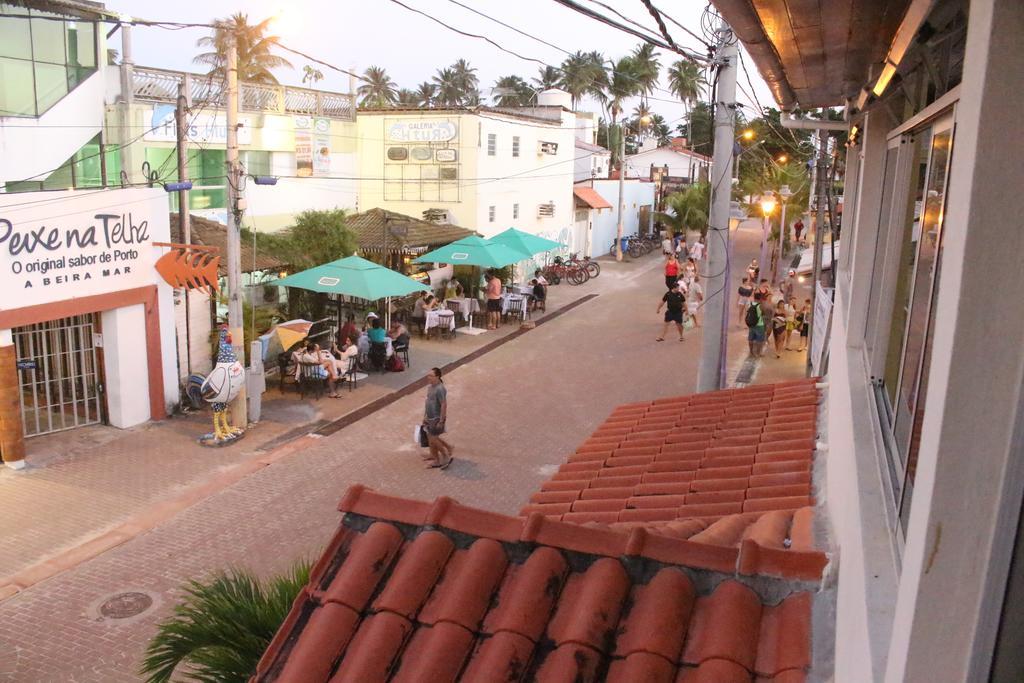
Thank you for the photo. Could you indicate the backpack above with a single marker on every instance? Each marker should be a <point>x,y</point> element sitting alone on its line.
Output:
<point>752,317</point>
<point>395,363</point>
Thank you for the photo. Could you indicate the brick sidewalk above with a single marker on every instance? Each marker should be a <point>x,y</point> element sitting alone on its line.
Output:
<point>514,415</point>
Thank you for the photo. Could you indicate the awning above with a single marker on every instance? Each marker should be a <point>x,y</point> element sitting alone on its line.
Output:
<point>589,197</point>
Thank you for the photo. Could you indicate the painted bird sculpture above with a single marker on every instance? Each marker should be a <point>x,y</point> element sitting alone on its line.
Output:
<point>221,387</point>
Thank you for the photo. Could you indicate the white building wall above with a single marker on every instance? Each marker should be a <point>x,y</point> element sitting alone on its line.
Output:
<point>637,194</point>
<point>679,164</point>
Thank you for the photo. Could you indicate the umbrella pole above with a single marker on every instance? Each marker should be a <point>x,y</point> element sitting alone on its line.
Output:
<point>387,313</point>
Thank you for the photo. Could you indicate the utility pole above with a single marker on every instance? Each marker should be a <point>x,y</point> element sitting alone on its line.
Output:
<point>712,373</point>
<point>183,105</point>
<point>622,192</point>
<point>239,414</point>
<point>821,176</point>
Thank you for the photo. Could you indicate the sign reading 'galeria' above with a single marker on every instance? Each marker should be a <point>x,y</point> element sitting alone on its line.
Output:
<point>64,245</point>
<point>422,131</point>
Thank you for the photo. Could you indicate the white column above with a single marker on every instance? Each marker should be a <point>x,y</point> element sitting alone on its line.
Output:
<point>127,372</point>
<point>969,477</point>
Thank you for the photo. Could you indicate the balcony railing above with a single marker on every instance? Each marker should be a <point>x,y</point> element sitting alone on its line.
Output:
<point>159,85</point>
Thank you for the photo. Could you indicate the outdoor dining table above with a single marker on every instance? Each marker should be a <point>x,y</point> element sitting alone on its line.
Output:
<point>507,298</point>
<point>439,318</point>
<point>466,306</point>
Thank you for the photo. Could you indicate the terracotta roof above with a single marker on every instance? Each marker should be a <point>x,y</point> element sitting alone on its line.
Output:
<point>413,591</point>
<point>589,197</point>
<point>729,468</point>
<point>213,234</point>
<point>369,228</point>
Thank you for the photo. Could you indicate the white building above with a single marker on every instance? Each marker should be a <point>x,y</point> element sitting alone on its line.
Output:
<point>596,220</point>
<point>680,165</point>
<point>923,478</point>
<point>485,169</point>
<point>592,161</point>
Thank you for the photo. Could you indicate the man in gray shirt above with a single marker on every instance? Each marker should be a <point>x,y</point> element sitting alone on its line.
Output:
<point>434,415</point>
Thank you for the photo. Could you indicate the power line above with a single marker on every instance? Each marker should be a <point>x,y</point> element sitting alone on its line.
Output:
<point>659,21</point>
<point>622,16</point>
<point>702,41</point>
<point>512,28</point>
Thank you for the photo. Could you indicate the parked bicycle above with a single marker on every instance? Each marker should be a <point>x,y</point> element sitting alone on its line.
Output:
<point>573,273</point>
<point>593,267</point>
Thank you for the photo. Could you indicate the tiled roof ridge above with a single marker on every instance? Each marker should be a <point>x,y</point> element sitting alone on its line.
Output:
<point>748,559</point>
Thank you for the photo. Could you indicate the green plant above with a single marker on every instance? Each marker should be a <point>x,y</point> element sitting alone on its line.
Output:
<point>221,628</point>
<point>253,47</point>
<point>689,209</point>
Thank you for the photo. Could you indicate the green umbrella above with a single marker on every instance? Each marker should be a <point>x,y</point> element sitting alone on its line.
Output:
<point>353,276</point>
<point>474,251</point>
<point>525,242</point>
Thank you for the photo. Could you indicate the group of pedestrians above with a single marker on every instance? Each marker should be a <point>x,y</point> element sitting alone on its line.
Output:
<point>772,315</point>
<point>685,293</point>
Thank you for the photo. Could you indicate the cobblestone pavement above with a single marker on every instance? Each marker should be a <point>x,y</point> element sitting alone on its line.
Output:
<point>514,415</point>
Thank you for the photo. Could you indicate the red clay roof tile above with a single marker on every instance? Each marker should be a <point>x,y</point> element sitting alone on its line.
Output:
<point>765,504</point>
<point>372,553</point>
<point>714,671</point>
<point>641,666</point>
<point>415,574</point>
<point>589,606</point>
<point>567,664</point>
<point>464,592</point>
<point>785,639</point>
<point>434,653</point>
<point>371,654</point>
<point>620,492</point>
<point>725,625</point>
<point>528,595</point>
<point>801,533</point>
<point>501,658</point>
<point>657,620</point>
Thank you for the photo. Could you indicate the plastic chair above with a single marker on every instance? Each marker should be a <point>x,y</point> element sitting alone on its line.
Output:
<point>312,378</point>
<point>516,307</point>
<point>446,324</point>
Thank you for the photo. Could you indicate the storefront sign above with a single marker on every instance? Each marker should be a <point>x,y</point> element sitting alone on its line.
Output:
<point>203,128</point>
<point>312,146</point>
<point>821,321</point>
<point>26,364</point>
<point>422,131</point>
<point>56,246</point>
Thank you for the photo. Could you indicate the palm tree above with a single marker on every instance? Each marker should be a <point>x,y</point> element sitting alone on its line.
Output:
<point>622,84</point>
<point>548,78</point>
<point>686,82</point>
<point>448,92</point>
<point>253,47</point>
<point>599,77</point>
<point>465,77</point>
<point>407,98</point>
<point>647,69</point>
<point>378,90</point>
<point>577,76</point>
<point>512,91</point>
<point>220,630</point>
<point>425,94</point>
<point>689,209</point>
<point>660,130</point>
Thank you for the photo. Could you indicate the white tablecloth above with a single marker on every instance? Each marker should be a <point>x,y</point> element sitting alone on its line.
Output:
<point>437,319</point>
<point>525,290</point>
<point>513,297</point>
<point>466,306</point>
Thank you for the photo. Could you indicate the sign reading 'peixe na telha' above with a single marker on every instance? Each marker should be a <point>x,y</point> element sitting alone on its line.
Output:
<point>422,131</point>
<point>77,244</point>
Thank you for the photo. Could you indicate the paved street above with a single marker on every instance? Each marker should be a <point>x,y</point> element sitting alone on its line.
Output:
<point>514,415</point>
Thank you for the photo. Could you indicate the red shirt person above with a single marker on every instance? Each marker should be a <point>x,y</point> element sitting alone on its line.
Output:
<point>671,271</point>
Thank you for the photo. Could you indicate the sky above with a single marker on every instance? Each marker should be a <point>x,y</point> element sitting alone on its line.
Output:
<point>355,34</point>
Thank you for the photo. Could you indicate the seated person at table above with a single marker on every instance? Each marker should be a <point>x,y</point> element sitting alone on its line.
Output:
<point>363,343</point>
<point>457,288</point>
<point>399,335</point>
<point>540,295</point>
<point>343,355</point>
<point>430,302</point>
<point>419,311</point>
<point>325,368</point>
<point>449,290</point>
<point>349,329</point>
<point>376,332</point>
<point>370,317</point>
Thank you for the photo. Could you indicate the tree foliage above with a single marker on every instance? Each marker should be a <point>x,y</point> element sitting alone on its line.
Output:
<point>253,47</point>
<point>687,209</point>
<point>377,90</point>
<point>513,91</point>
<point>222,627</point>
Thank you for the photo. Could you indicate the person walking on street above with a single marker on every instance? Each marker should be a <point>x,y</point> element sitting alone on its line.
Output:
<point>788,285</point>
<point>671,271</point>
<point>753,270</point>
<point>493,301</point>
<point>698,249</point>
<point>667,247</point>
<point>435,414</point>
<point>779,327</point>
<point>790,304</point>
<point>745,291</point>
<point>694,299</point>
<point>673,301</point>
<point>754,319</point>
<point>804,319</point>
<point>798,228</point>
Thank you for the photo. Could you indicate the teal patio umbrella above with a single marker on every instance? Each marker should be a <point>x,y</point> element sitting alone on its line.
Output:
<point>354,276</point>
<point>474,251</point>
<point>525,242</point>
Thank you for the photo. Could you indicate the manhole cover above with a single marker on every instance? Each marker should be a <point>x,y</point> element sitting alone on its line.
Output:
<point>124,605</point>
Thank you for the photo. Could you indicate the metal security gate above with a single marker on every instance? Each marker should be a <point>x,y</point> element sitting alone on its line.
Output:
<point>59,375</point>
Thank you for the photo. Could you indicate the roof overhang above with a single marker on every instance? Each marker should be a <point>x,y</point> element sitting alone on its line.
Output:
<point>588,197</point>
<point>818,54</point>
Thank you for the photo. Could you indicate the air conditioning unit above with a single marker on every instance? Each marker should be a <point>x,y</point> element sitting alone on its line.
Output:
<point>547,148</point>
<point>546,209</point>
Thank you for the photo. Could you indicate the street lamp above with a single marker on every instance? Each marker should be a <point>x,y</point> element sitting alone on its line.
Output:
<point>767,207</point>
<point>782,158</point>
<point>643,123</point>
<point>749,134</point>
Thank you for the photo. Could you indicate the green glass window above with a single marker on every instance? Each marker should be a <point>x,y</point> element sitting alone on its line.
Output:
<point>15,39</point>
<point>17,93</point>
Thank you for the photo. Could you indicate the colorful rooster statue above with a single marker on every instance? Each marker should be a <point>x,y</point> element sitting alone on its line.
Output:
<point>220,388</point>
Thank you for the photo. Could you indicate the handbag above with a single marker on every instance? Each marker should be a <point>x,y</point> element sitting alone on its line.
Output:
<point>688,323</point>
<point>420,436</point>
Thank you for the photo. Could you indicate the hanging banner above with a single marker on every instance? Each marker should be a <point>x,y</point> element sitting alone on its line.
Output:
<point>821,320</point>
<point>312,146</point>
<point>203,128</point>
